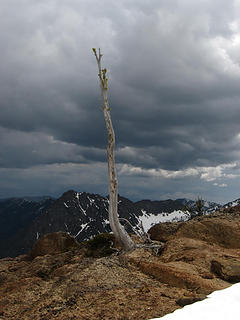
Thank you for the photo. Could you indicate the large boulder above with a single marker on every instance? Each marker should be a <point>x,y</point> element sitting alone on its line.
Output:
<point>53,243</point>
<point>164,231</point>
<point>221,230</point>
<point>227,269</point>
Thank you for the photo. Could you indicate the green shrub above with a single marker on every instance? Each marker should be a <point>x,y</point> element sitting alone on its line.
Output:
<point>101,245</point>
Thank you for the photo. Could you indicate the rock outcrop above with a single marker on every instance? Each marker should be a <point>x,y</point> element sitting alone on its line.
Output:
<point>61,279</point>
<point>223,230</point>
<point>227,269</point>
<point>53,243</point>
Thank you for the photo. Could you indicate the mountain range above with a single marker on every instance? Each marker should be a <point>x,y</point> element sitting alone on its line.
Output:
<point>81,214</point>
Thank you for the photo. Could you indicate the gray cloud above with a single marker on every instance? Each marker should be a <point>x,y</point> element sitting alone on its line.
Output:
<point>174,91</point>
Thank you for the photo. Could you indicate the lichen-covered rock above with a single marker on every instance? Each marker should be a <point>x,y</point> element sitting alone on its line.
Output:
<point>177,274</point>
<point>53,243</point>
<point>221,231</point>
<point>184,301</point>
<point>164,231</point>
<point>227,269</point>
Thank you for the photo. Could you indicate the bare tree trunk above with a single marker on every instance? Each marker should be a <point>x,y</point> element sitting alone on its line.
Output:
<point>119,232</point>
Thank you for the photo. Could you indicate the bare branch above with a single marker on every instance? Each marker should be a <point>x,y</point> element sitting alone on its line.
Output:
<point>134,230</point>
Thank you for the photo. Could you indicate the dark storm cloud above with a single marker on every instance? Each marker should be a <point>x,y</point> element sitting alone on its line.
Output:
<point>53,179</point>
<point>185,86</point>
<point>23,150</point>
<point>174,85</point>
<point>47,75</point>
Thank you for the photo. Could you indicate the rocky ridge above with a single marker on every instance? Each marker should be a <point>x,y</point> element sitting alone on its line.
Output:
<point>83,215</point>
<point>62,279</point>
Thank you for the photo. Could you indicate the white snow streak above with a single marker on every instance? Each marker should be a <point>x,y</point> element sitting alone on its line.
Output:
<point>84,211</point>
<point>82,227</point>
<point>105,222</point>
<point>234,204</point>
<point>91,200</point>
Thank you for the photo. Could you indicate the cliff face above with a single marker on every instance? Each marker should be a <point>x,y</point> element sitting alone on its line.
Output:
<point>62,279</point>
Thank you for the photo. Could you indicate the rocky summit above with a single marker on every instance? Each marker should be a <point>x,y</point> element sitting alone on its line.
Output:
<point>62,279</point>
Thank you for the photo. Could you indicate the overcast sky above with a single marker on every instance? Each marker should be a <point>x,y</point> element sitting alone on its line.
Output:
<point>174,69</point>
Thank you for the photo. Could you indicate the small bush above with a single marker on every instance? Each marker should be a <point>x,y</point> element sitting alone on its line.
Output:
<point>101,245</point>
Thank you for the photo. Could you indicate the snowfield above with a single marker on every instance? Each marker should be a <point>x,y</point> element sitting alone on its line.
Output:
<point>220,305</point>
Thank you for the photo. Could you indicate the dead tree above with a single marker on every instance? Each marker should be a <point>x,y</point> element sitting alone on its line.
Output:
<point>119,232</point>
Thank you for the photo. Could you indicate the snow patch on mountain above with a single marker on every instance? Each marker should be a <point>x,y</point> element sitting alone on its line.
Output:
<point>149,219</point>
<point>232,204</point>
